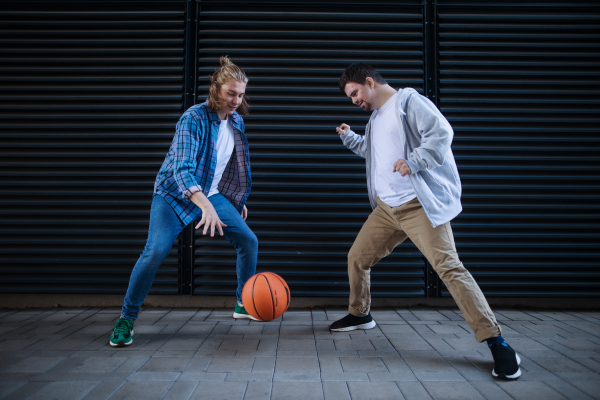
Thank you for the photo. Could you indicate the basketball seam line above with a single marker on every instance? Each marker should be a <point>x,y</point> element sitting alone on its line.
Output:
<point>271,293</point>
<point>254,305</point>
<point>286,289</point>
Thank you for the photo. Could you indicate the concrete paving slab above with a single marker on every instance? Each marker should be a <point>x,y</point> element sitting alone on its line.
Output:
<point>527,390</point>
<point>147,390</point>
<point>64,391</point>
<point>165,364</point>
<point>25,391</point>
<point>297,364</point>
<point>336,391</point>
<point>297,390</point>
<point>258,390</point>
<point>413,391</point>
<point>374,391</point>
<point>452,391</point>
<point>231,364</point>
<point>103,390</point>
<point>180,390</point>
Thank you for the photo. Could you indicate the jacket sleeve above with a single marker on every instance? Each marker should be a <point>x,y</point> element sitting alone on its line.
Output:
<point>186,143</point>
<point>356,143</point>
<point>426,120</point>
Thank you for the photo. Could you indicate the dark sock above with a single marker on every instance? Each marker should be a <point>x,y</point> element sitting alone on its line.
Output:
<point>497,339</point>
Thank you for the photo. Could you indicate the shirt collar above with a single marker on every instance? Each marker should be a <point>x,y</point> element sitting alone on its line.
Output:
<point>212,116</point>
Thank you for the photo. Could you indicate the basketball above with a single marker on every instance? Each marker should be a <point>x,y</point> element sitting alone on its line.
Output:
<point>266,296</point>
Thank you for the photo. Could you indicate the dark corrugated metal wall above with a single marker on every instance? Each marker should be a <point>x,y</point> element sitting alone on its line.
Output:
<point>309,197</point>
<point>519,84</point>
<point>89,96</point>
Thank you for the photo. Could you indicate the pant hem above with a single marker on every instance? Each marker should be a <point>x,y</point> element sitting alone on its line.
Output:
<point>357,313</point>
<point>488,333</point>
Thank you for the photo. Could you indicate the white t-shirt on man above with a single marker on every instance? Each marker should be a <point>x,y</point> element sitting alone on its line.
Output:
<point>388,147</point>
<point>225,144</point>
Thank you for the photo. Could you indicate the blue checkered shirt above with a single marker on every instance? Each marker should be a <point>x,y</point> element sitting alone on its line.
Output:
<point>190,164</point>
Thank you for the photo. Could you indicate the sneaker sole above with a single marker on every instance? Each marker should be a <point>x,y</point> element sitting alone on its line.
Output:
<point>513,376</point>
<point>244,316</point>
<point>122,343</point>
<point>368,325</point>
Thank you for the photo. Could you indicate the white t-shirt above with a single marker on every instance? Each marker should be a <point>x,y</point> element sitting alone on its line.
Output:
<point>225,144</point>
<point>388,147</point>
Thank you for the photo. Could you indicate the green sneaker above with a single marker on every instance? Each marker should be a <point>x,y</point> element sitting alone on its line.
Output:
<point>122,333</point>
<point>241,313</point>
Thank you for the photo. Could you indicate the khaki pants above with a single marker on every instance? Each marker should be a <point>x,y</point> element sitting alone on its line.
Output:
<point>385,229</point>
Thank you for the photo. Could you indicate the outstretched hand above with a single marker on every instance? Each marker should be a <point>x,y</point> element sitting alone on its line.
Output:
<point>211,220</point>
<point>402,167</point>
<point>342,129</point>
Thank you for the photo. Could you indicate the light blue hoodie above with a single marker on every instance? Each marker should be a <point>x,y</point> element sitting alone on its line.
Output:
<point>428,136</point>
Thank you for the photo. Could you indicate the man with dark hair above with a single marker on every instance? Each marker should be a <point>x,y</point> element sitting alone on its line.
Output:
<point>414,190</point>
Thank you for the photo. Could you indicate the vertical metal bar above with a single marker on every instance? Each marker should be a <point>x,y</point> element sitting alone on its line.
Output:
<point>186,239</point>
<point>430,50</point>
<point>433,281</point>
<point>427,277</point>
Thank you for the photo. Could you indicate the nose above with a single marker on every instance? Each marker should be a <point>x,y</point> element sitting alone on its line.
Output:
<point>355,100</point>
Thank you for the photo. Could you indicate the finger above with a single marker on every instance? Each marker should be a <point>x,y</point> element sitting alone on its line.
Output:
<point>219,228</point>
<point>212,229</point>
<point>200,223</point>
<point>206,225</point>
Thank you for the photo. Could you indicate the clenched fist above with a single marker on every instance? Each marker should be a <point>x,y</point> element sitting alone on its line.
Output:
<point>402,167</point>
<point>343,129</point>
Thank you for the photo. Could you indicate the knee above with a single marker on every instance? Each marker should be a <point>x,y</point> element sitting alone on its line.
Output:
<point>356,259</point>
<point>155,253</point>
<point>451,270</point>
<point>250,243</point>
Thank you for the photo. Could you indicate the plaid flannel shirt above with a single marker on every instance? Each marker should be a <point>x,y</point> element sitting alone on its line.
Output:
<point>189,166</point>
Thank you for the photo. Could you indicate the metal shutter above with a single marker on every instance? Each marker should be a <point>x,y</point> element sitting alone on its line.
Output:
<point>89,97</point>
<point>309,195</point>
<point>519,84</point>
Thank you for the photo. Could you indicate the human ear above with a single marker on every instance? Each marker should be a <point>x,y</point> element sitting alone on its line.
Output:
<point>370,82</point>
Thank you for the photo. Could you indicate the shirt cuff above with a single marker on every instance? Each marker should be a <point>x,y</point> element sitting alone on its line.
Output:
<point>191,190</point>
<point>412,166</point>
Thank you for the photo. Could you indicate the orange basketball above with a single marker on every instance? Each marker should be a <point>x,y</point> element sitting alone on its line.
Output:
<point>266,296</point>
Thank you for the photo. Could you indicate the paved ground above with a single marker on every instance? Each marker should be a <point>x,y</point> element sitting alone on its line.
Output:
<point>413,353</point>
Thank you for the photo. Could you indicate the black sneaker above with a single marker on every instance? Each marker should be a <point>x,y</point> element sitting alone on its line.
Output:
<point>506,361</point>
<point>350,323</point>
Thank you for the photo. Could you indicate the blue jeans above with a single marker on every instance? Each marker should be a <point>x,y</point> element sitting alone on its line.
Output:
<point>165,225</point>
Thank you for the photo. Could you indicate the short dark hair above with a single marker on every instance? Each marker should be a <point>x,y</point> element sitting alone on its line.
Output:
<point>358,73</point>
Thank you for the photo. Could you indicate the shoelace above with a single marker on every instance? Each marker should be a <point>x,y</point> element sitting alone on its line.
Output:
<point>122,326</point>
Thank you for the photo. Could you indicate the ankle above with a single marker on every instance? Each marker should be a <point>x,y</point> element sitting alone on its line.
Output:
<point>497,339</point>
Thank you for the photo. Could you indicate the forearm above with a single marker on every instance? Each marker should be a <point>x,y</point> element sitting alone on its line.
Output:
<point>356,143</point>
<point>201,201</point>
